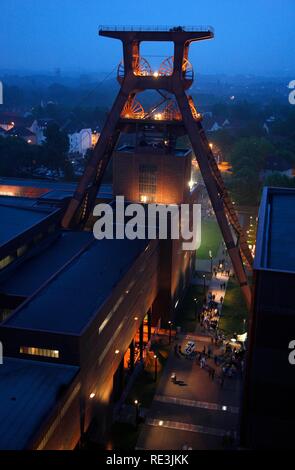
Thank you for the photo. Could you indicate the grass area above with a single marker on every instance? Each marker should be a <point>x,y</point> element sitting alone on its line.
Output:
<point>234,310</point>
<point>145,386</point>
<point>186,316</point>
<point>210,239</point>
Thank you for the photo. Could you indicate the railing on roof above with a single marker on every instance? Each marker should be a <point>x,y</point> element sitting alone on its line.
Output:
<point>157,28</point>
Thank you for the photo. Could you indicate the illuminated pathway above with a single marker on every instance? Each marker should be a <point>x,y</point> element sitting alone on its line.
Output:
<point>197,412</point>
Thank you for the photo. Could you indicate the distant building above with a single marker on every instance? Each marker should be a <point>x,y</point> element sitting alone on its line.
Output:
<point>277,164</point>
<point>22,133</point>
<point>267,126</point>
<point>80,141</point>
<point>95,137</point>
<point>38,127</point>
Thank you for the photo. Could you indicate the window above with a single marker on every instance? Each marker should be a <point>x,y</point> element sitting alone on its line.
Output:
<point>39,351</point>
<point>38,237</point>
<point>21,250</point>
<point>6,261</point>
<point>147,183</point>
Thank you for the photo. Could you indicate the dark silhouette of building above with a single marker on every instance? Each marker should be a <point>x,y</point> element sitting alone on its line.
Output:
<point>268,415</point>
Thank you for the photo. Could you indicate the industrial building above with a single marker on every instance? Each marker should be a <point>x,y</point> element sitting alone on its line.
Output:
<point>78,313</point>
<point>268,417</point>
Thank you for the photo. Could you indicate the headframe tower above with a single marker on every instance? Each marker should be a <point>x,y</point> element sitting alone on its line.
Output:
<point>174,77</point>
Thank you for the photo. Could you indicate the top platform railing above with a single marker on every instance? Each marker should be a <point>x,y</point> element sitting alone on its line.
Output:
<point>157,28</point>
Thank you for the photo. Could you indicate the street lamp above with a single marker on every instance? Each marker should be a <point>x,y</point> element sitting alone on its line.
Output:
<point>170,330</point>
<point>136,403</point>
<point>156,368</point>
<point>211,259</point>
<point>204,279</point>
<point>196,302</point>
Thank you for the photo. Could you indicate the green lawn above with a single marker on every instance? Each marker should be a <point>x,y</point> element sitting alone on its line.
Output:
<point>210,240</point>
<point>186,316</point>
<point>234,310</point>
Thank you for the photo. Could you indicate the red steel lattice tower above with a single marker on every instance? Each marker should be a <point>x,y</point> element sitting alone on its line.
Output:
<point>175,77</point>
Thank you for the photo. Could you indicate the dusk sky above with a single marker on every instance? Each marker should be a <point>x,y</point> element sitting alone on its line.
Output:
<point>251,36</point>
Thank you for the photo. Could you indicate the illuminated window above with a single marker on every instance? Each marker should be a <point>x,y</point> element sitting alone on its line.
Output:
<point>21,250</point>
<point>39,351</point>
<point>6,261</point>
<point>147,183</point>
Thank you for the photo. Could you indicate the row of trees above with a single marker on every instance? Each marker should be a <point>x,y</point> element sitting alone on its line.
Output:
<point>18,158</point>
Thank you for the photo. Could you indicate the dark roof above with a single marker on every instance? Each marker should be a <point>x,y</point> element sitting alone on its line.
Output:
<point>276,163</point>
<point>51,189</point>
<point>28,392</point>
<point>45,121</point>
<point>69,300</point>
<point>276,230</point>
<point>35,271</point>
<point>17,119</point>
<point>20,132</point>
<point>15,220</point>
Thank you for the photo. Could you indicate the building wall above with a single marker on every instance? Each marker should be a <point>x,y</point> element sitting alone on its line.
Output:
<point>80,141</point>
<point>268,405</point>
<point>172,176</point>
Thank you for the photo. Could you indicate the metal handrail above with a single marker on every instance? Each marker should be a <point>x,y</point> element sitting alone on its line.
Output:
<point>157,28</point>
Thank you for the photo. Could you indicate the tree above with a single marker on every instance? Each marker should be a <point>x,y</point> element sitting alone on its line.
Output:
<point>56,147</point>
<point>279,181</point>
<point>247,159</point>
<point>250,151</point>
<point>17,157</point>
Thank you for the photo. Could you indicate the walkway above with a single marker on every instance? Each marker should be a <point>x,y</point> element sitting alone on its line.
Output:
<point>196,411</point>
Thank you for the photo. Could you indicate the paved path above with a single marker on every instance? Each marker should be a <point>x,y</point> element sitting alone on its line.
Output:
<point>196,411</point>
<point>214,285</point>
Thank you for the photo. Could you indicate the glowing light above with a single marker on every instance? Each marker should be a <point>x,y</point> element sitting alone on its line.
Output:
<point>135,318</point>
<point>156,74</point>
<point>117,351</point>
<point>191,184</point>
<point>211,145</point>
<point>135,402</point>
<point>158,116</point>
<point>143,198</point>
<point>29,141</point>
<point>161,423</point>
<point>224,408</point>
<point>92,395</point>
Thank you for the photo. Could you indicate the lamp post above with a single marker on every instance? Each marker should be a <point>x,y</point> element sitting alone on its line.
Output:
<point>136,403</point>
<point>170,330</point>
<point>196,302</point>
<point>156,368</point>
<point>204,279</point>
<point>211,260</point>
